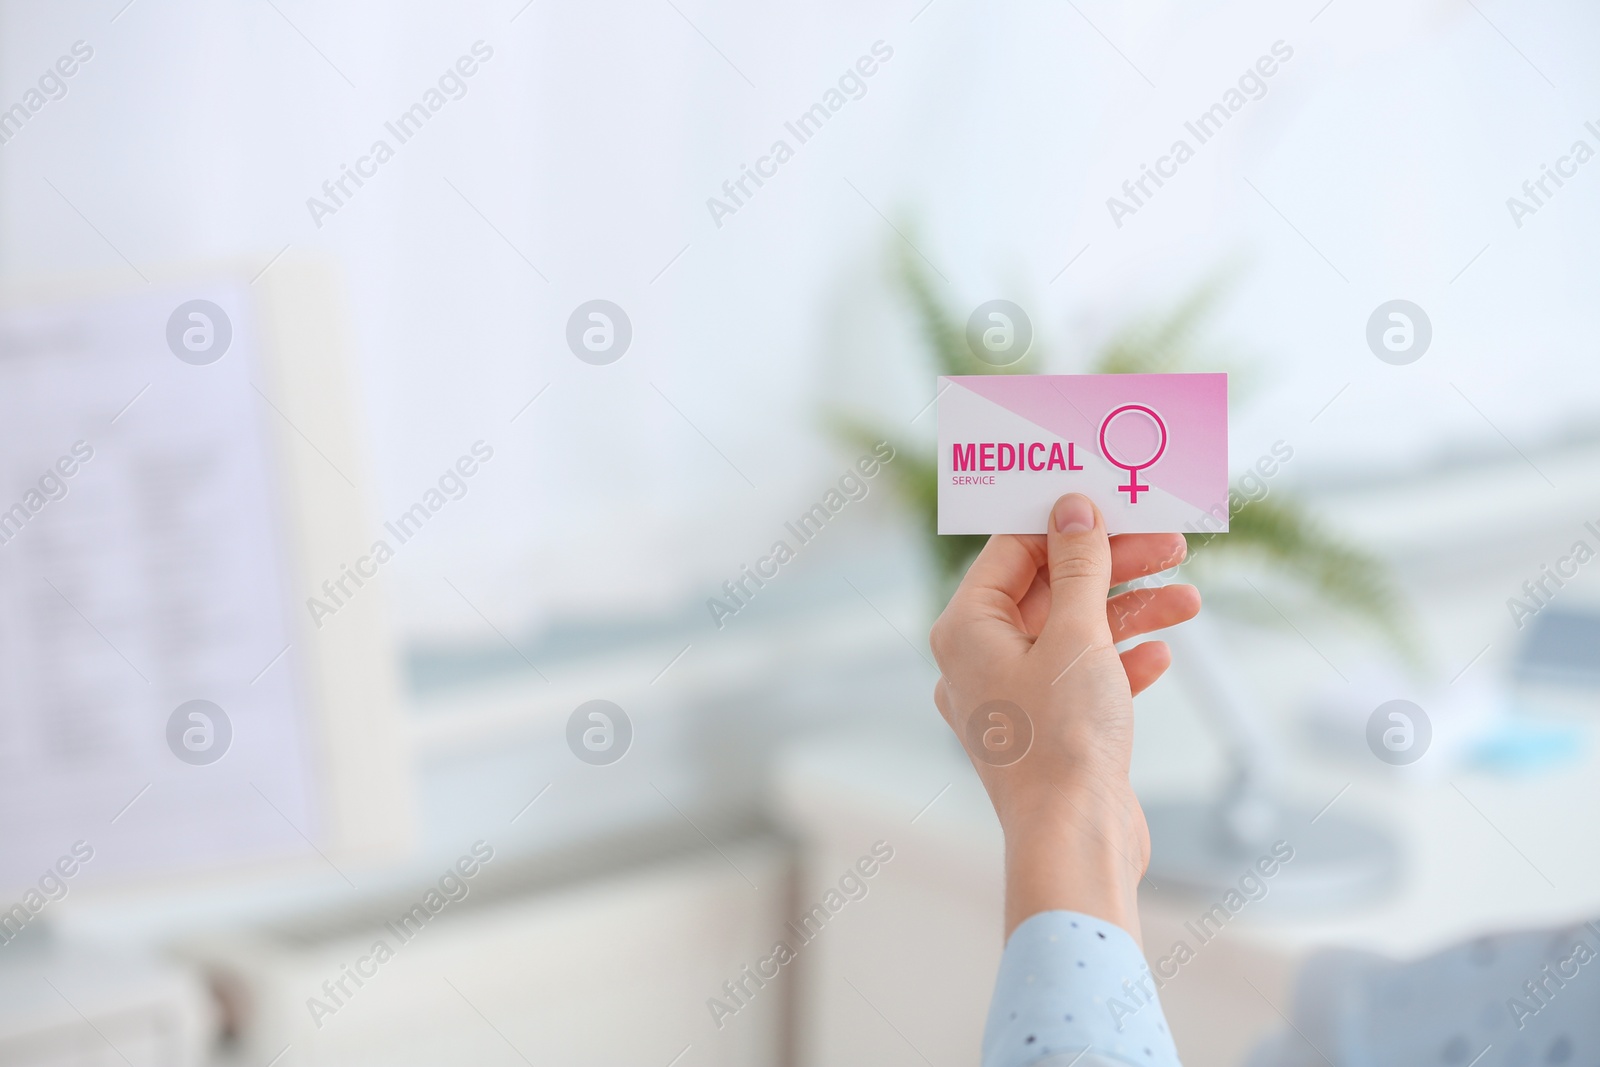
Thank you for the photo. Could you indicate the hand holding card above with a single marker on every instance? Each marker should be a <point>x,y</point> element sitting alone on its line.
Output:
<point>1033,683</point>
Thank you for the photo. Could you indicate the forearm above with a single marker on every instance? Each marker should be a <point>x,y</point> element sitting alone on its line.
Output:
<point>1072,985</point>
<point>1082,849</point>
<point>1074,989</point>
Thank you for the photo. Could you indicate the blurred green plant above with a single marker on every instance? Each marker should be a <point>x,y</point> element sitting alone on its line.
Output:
<point>1276,530</point>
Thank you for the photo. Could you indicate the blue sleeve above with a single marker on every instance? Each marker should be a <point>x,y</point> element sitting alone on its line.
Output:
<point>1073,988</point>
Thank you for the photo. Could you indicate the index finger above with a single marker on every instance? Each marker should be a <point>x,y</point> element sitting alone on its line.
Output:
<point>1007,565</point>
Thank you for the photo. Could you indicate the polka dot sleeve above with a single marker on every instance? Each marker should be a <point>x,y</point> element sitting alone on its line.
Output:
<point>1073,986</point>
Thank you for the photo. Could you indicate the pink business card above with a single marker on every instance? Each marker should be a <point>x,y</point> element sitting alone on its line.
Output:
<point>1150,449</point>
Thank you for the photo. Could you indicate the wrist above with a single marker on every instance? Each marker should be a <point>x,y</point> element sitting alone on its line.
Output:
<point>1045,803</point>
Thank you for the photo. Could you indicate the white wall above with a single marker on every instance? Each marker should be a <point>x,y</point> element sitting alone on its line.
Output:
<point>594,136</point>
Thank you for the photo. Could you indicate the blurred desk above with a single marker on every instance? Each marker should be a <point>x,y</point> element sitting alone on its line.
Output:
<point>1481,853</point>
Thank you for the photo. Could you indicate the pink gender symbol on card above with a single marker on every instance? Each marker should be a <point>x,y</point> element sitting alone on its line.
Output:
<point>1141,431</point>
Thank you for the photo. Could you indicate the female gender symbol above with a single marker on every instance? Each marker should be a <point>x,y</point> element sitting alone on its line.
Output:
<point>1133,488</point>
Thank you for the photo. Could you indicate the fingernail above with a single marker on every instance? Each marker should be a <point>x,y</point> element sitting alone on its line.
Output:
<point>1073,514</point>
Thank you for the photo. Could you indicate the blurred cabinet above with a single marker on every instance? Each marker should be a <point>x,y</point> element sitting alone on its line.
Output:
<point>607,972</point>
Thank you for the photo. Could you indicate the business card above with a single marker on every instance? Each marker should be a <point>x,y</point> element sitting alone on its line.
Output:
<point>1150,449</point>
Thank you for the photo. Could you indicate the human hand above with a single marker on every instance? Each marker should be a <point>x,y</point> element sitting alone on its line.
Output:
<point>1027,648</point>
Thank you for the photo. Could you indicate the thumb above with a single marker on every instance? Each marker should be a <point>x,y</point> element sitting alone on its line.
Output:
<point>1080,570</point>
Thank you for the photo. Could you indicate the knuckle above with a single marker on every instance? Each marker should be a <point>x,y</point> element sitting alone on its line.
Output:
<point>939,638</point>
<point>1074,565</point>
